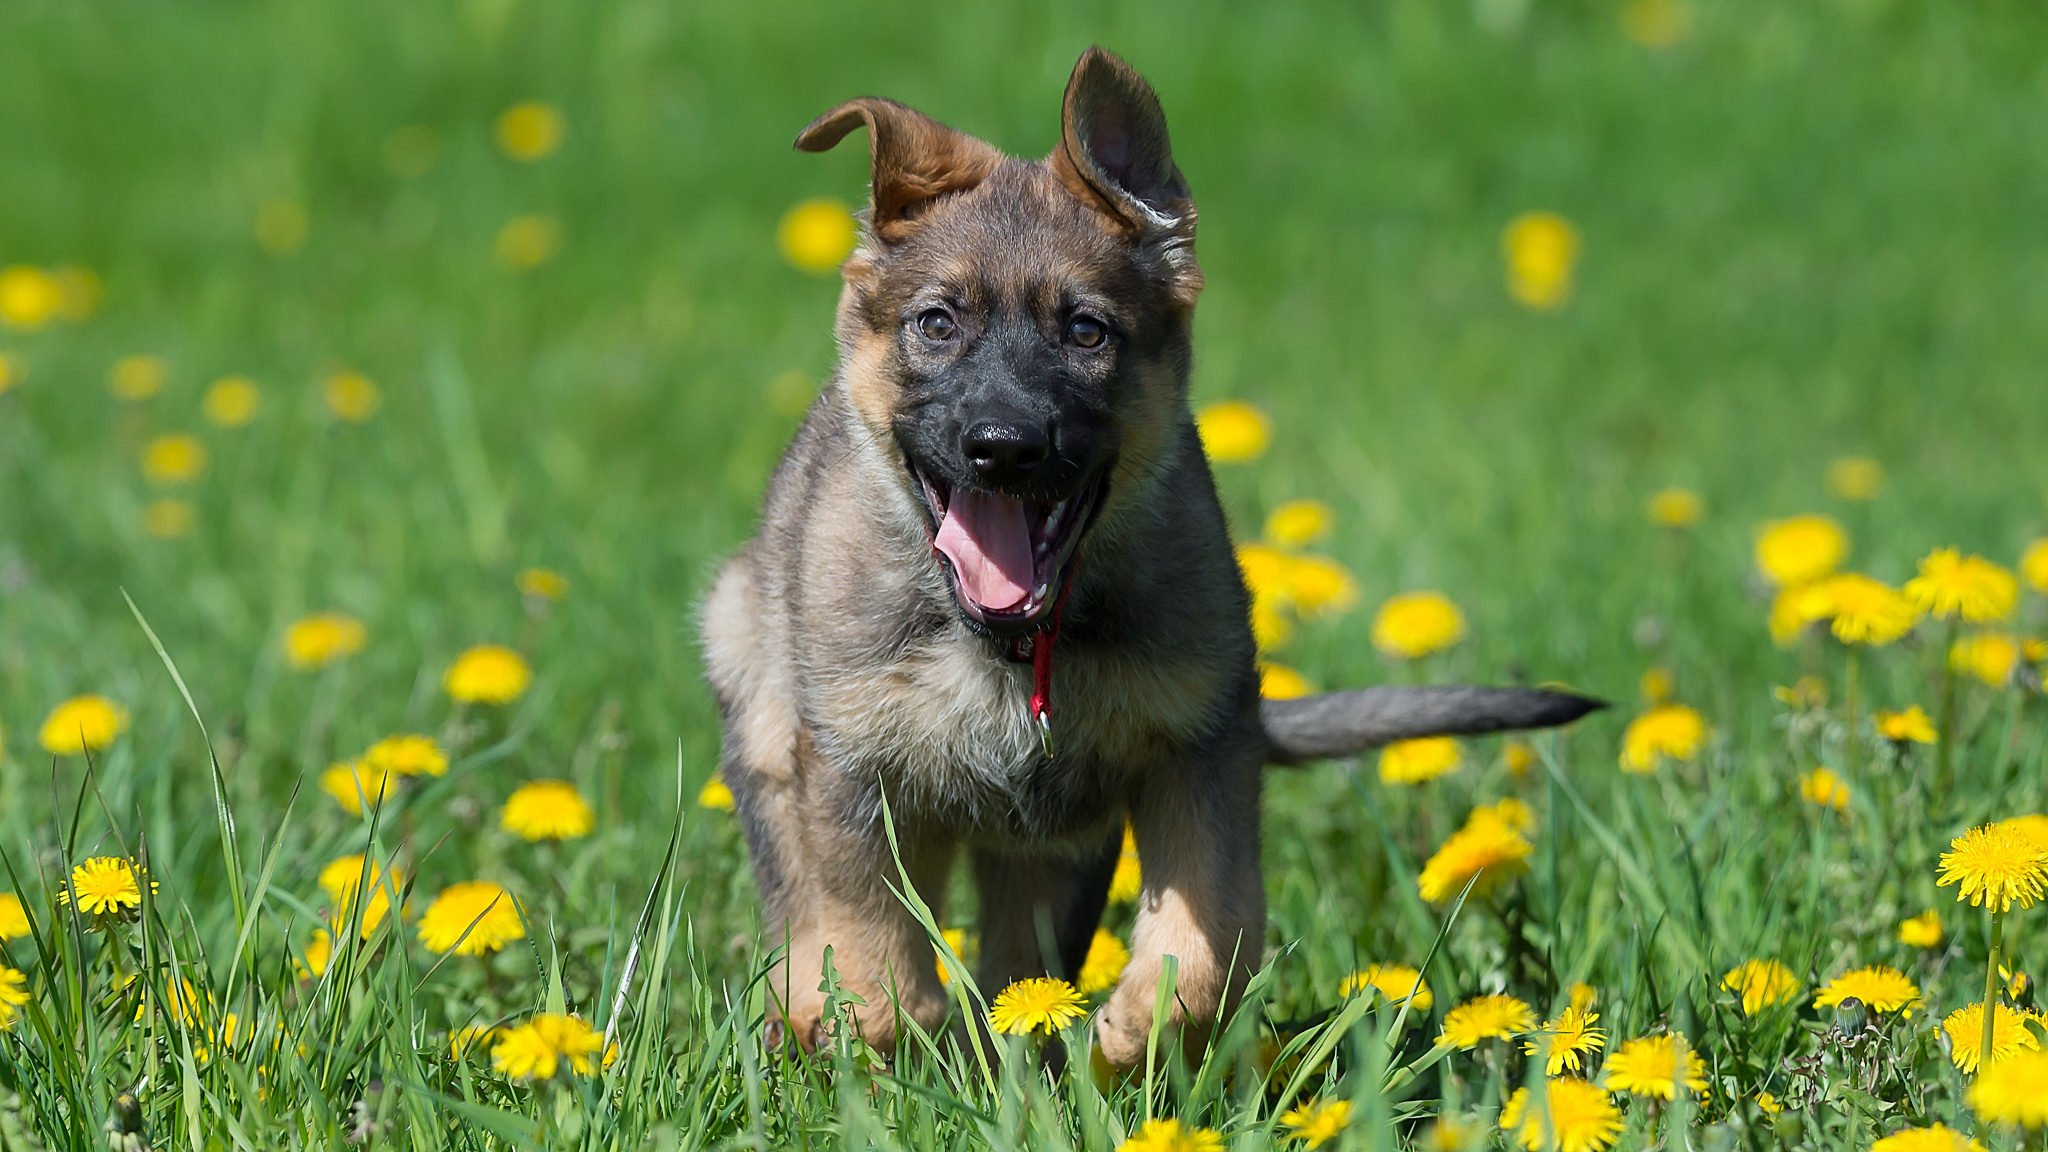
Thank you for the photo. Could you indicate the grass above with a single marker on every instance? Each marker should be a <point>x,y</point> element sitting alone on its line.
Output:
<point>1807,231</point>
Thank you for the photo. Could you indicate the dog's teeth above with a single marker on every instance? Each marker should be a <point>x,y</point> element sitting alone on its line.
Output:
<point>1039,592</point>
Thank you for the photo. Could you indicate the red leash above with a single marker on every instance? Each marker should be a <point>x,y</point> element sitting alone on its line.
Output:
<point>1041,661</point>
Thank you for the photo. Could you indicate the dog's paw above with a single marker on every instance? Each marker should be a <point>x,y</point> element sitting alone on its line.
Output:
<point>1124,1028</point>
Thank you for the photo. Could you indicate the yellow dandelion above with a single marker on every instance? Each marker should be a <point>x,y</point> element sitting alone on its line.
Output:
<point>488,674</point>
<point>1128,880</point>
<point>1794,608</point>
<point>13,994</point>
<point>1486,848</point>
<point>1105,962</point>
<point>1991,657</point>
<point>1761,984</point>
<point>542,584</point>
<point>471,1039</point>
<point>1676,508</point>
<point>528,241</point>
<point>817,235</point>
<point>346,876</point>
<point>231,401</point>
<point>956,939</point>
<point>1911,726</point>
<point>530,130</point>
<point>1265,569</point>
<point>1298,523</point>
<point>319,640</point>
<point>1965,1029</point>
<point>1272,629</point>
<point>1412,625</point>
<point>1667,732</point>
<point>1518,757</point>
<point>82,724</point>
<point>1510,811</point>
<point>2034,565</point>
<point>1952,586</point>
<point>1879,988</point>
<point>1655,1066</point>
<point>1800,549</point>
<point>1866,611</point>
<point>1922,931</point>
<point>280,226</point>
<point>13,917</point>
<point>1855,477</point>
<point>1279,682</point>
<point>1998,866</point>
<point>29,297</point>
<point>1484,1018</point>
<point>1319,586</point>
<point>406,754</point>
<point>548,810</point>
<point>167,519</point>
<point>1656,686</point>
<point>2013,1091</point>
<point>1823,788</point>
<point>1934,1138</point>
<point>137,377</point>
<point>1768,1104</point>
<point>318,954</point>
<point>1172,1136</point>
<point>547,1044</point>
<point>1583,995</point>
<point>1454,1134</point>
<point>472,918</point>
<point>173,459</point>
<point>107,886</point>
<point>411,151</point>
<point>1566,1039</point>
<point>351,397</point>
<point>1575,1116</point>
<point>2033,825</point>
<point>1317,1122</point>
<point>354,785</point>
<point>715,795</point>
<point>1420,760</point>
<point>1656,24</point>
<point>1803,694</point>
<point>1395,983</point>
<point>1233,432</point>
<point>1043,1003</point>
<point>1540,251</point>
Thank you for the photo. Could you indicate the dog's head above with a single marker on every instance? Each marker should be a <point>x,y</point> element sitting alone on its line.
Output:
<point>1017,331</point>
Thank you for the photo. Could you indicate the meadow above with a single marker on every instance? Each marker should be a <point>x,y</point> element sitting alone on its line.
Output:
<point>380,385</point>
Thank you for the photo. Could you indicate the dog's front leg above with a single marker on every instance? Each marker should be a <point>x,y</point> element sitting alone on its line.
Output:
<point>1203,904</point>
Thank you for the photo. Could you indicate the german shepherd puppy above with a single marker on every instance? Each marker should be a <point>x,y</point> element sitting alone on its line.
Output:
<point>1003,482</point>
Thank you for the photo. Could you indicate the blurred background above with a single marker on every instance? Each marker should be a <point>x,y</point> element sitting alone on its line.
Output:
<point>510,284</point>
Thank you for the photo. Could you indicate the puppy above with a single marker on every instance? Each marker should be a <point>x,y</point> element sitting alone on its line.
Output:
<point>992,586</point>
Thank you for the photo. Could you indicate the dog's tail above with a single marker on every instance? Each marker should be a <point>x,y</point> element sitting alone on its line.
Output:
<point>1342,723</point>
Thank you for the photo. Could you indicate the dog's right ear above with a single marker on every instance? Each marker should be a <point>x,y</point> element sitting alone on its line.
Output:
<point>914,159</point>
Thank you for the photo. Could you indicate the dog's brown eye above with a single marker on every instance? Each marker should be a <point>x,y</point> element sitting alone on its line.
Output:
<point>935,325</point>
<point>1087,331</point>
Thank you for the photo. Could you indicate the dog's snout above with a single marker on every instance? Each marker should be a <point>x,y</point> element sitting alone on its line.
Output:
<point>1005,451</point>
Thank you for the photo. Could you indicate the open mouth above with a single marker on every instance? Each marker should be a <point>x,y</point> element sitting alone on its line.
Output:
<point>1008,557</point>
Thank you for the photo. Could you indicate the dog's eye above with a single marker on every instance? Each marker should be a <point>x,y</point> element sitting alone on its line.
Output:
<point>936,325</point>
<point>1087,332</point>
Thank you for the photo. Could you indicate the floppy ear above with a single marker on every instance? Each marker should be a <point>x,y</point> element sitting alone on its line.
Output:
<point>1114,151</point>
<point>913,158</point>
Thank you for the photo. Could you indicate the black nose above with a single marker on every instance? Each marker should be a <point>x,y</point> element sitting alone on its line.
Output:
<point>1002,452</point>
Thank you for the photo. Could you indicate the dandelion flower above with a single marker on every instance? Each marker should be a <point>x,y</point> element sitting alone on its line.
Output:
<point>1319,586</point>
<point>351,397</point>
<point>1881,989</point>
<point>1298,523</point>
<point>1909,727</point>
<point>1991,657</point>
<point>1486,848</point>
<point>406,754</point>
<point>1128,880</point>
<point>1965,1028</point>
<point>167,519</point>
<point>107,886</point>
<point>548,810</point>
<point>173,459</point>
<point>1656,24</point>
<point>343,877</point>
<point>2034,565</point>
<point>1768,1104</point>
<point>1265,569</point>
<point>1998,866</point>
<point>1317,1122</point>
<point>1922,931</point>
<point>817,235</point>
<point>13,917</point>
<point>488,674</point>
<point>1172,1136</point>
<point>2013,1091</point>
<point>1484,1018</point>
<point>13,994</point>
<point>1761,984</point>
<point>319,640</point>
<point>1676,508</point>
<point>1419,760</point>
<point>82,724</point>
<point>527,241</point>
<point>1540,250</point>
<point>1794,608</point>
<point>1233,432</point>
<point>1510,811</point>
<point>2033,825</point>
<point>1804,694</point>
<point>137,377</point>
<point>1517,757</point>
<point>1934,1138</point>
<point>1822,788</point>
<point>956,939</point>
<point>471,1039</point>
<point>318,954</point>
<point>1655,685</point>
<point>1396,983</point>
<point>471,919</point>
<point>1272,629</point>
<point>1952,586</point>
<point>29,297</point>
<point>1104,964</point>
<point>1575,1116</point>
<point>1412,625</point>
<point>530,130</point>
<point>1666,732</point>
<point>1655,1066</point>
<point>1866,611</point>
<point>544,1045</point>
<point>280,226</point>
<point>715,795</point>
<point>1565,1040</point>
<point>231,401</point>
<point>354,784</point>
<point>1279,682</point>
<point>1855,477</point>
<point>1043,1003</point>
<point>542,584</point>
<point>1800,549</point>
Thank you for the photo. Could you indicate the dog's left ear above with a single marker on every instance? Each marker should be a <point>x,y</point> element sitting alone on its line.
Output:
<point>1114,153</point>
<point>913,159</point>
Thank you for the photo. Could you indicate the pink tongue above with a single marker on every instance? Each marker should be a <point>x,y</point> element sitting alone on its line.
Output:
<point>987,540</point>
